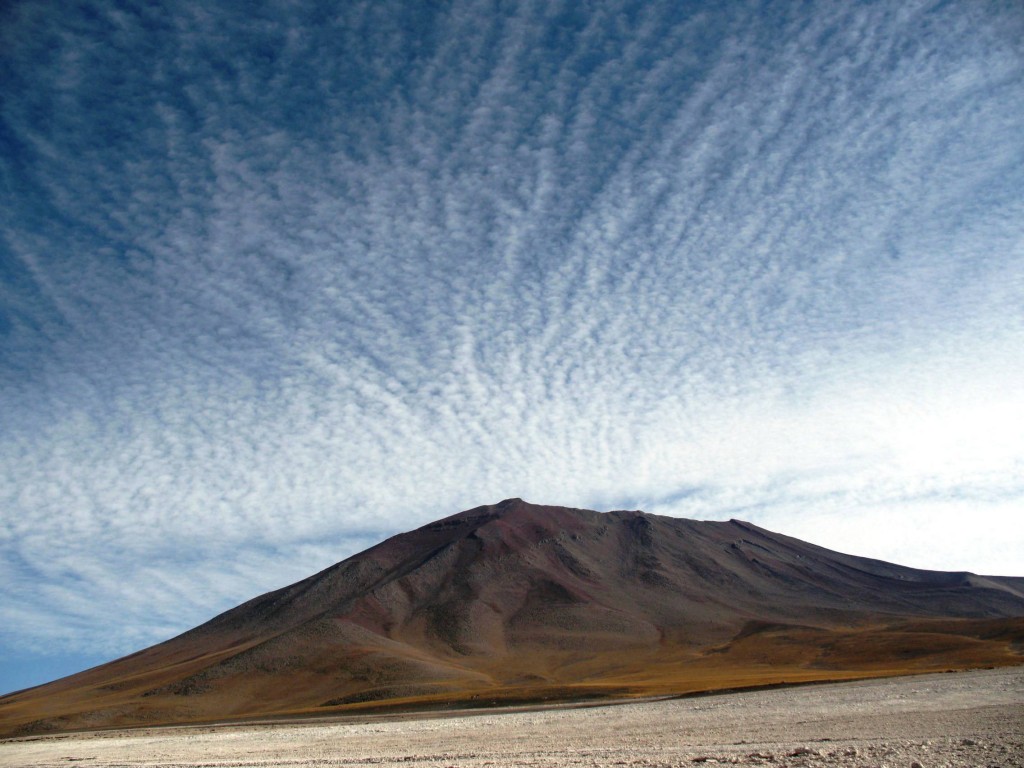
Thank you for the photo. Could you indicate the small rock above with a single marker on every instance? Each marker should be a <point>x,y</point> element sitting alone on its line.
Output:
<point>804,751</point>
<point>916,764</point>
<point>969,742</point>
<point>851,752</point>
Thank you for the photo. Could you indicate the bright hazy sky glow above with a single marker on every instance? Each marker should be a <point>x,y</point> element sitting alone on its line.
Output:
<point>279,282</point>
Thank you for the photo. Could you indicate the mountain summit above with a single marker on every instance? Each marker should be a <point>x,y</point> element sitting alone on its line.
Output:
<point>520,602</point>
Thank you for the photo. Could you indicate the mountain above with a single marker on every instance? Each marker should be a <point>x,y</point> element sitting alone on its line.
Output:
<point>517,602</point>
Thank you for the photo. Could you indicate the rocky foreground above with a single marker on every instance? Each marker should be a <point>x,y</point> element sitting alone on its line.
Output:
<point>954,719</point>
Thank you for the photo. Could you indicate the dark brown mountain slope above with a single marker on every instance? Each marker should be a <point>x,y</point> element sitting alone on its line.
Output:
<point>522,602</point>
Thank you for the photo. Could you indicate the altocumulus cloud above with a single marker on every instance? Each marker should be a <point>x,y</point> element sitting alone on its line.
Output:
<point>279,282</point>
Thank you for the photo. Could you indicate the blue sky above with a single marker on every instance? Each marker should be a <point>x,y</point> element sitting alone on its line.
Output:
<point>280,282</point>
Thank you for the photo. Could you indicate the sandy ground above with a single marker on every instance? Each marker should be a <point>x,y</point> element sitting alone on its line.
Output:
<point>961,719</point>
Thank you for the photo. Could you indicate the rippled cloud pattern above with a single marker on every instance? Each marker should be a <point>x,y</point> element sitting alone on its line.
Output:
<point>276,283</point>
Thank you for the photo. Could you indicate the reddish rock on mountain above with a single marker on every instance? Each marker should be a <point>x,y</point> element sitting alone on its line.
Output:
<point>517,602</point>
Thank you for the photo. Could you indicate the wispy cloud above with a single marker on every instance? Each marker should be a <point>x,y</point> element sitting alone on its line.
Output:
<point>277,284</point>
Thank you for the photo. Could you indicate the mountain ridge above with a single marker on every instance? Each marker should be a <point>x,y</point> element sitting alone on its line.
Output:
<point>517,601</point>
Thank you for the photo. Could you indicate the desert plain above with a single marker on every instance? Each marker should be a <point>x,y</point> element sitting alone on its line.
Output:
<point>969,718</point>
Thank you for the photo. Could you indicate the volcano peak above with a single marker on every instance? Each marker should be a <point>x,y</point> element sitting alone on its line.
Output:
<point>524,600</point>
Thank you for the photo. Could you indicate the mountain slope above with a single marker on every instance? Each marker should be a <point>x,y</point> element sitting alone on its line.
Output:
<point>516,601</point>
